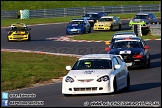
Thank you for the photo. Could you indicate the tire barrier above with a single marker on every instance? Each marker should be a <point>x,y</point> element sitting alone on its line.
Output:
<point>24,14</point>
<point>155,29</point>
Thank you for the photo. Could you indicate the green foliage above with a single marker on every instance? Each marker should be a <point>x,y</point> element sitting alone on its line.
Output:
<point>20,5</point>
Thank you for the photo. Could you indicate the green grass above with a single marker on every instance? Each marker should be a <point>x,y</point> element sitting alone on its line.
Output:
<point>106,36</point>
<point>20,5</point>
<point>19,70</point>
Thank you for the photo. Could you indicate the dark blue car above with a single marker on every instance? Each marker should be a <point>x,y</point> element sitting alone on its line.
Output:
<point>92,17</point>
<point>78,26</point>
<point>133,50</point>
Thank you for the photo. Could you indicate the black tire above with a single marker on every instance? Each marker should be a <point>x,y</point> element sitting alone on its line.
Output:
<point>89,30</point>
<point>111,28</point>
<point>128,83</point>
<point>146,64</point>
<point>115,85</point>
<point>84,32</point>
<point>29,38</point>
<point>119,27</point>
<point>67,95</point>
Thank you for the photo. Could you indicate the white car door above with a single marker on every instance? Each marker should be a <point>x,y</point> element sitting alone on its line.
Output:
<point>117,72</point>
<point>123,73</point>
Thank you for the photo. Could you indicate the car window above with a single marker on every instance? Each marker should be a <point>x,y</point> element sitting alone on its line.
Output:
<point>105,19</point>
<point>140,17</point>
<point>115,62</point>
<point>119,60</point>
<point>127,44</point>
<point>94,64</point>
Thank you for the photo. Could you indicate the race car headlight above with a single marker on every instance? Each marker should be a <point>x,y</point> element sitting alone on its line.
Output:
<point>103,78</point>
<point>69,79</point>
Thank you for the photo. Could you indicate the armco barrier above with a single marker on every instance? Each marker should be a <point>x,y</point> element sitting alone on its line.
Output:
<point>80,11</point>
<point>155,29</point>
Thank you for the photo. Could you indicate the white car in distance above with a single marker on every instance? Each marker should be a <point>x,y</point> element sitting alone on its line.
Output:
<point>96,73</point>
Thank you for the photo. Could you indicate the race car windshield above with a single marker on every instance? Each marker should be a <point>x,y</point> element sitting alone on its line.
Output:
<point>105,19</point>
<point>92,64</point>
<point>127,44</point>
<point>140,17</point>
<point>76,22</point>
<point>91,15</point>
<point>19,28</point>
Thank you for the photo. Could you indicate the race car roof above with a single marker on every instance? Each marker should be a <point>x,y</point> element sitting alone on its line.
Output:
<point>92,13</point>
<point>96,56</point>
<point>124,34</point>
<point>107,17</point>
<point>18,25</point>
<point>128,39</point>
<point>143,13</point>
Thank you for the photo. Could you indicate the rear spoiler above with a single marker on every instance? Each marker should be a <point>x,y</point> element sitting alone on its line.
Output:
<point>119,56</point>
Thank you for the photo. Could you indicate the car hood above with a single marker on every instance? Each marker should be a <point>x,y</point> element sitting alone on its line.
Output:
<point>139,20</point>
<point>105,22</point>
<point>90,74</point>
<point>129,51</point>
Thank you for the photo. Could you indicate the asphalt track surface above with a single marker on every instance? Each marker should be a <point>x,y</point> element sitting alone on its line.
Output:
<point>145,83</point>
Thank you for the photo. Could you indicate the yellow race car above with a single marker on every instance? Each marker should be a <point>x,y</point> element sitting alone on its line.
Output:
<point>18,32</point>
<point>108,23</point>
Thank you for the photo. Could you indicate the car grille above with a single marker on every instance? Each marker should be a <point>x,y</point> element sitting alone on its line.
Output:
<point>86,80</point>
<point>127,57</point>
<point>86,89</point>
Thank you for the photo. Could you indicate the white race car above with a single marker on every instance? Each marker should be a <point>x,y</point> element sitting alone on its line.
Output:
<point>96,73</point>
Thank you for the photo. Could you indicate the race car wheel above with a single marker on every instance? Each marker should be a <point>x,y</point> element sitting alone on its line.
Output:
<point>146,64</point>
<point>115,85</point>
<point>84,31</point>
<point>89,30</point>
<point>111,28</point>
<point>29,38</point>
<point>128,83</point>
<point>119,26</point>
<point>66,95</point>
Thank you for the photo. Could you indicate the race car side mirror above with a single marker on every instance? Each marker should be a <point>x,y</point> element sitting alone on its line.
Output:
<point>117,66</point>
<point>68,67</point>
<point>146,47</point>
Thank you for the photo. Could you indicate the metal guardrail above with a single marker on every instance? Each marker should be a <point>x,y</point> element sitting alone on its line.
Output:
<point>80,11</point>
<point>155,29</point>
<point>9,14</point>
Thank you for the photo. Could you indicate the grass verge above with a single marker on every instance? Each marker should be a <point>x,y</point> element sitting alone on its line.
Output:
<point>20,70</point>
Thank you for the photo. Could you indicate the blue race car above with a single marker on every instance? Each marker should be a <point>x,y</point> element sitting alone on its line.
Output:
<point>78,26</point>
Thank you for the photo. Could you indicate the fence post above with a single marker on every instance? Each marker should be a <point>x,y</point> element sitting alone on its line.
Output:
<point>84,10</point>
<point>103,8</point>
<point>64,12</point>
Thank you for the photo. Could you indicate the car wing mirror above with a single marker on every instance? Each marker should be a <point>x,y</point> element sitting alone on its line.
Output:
<point>68,67</point>
<point>117,66</point>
